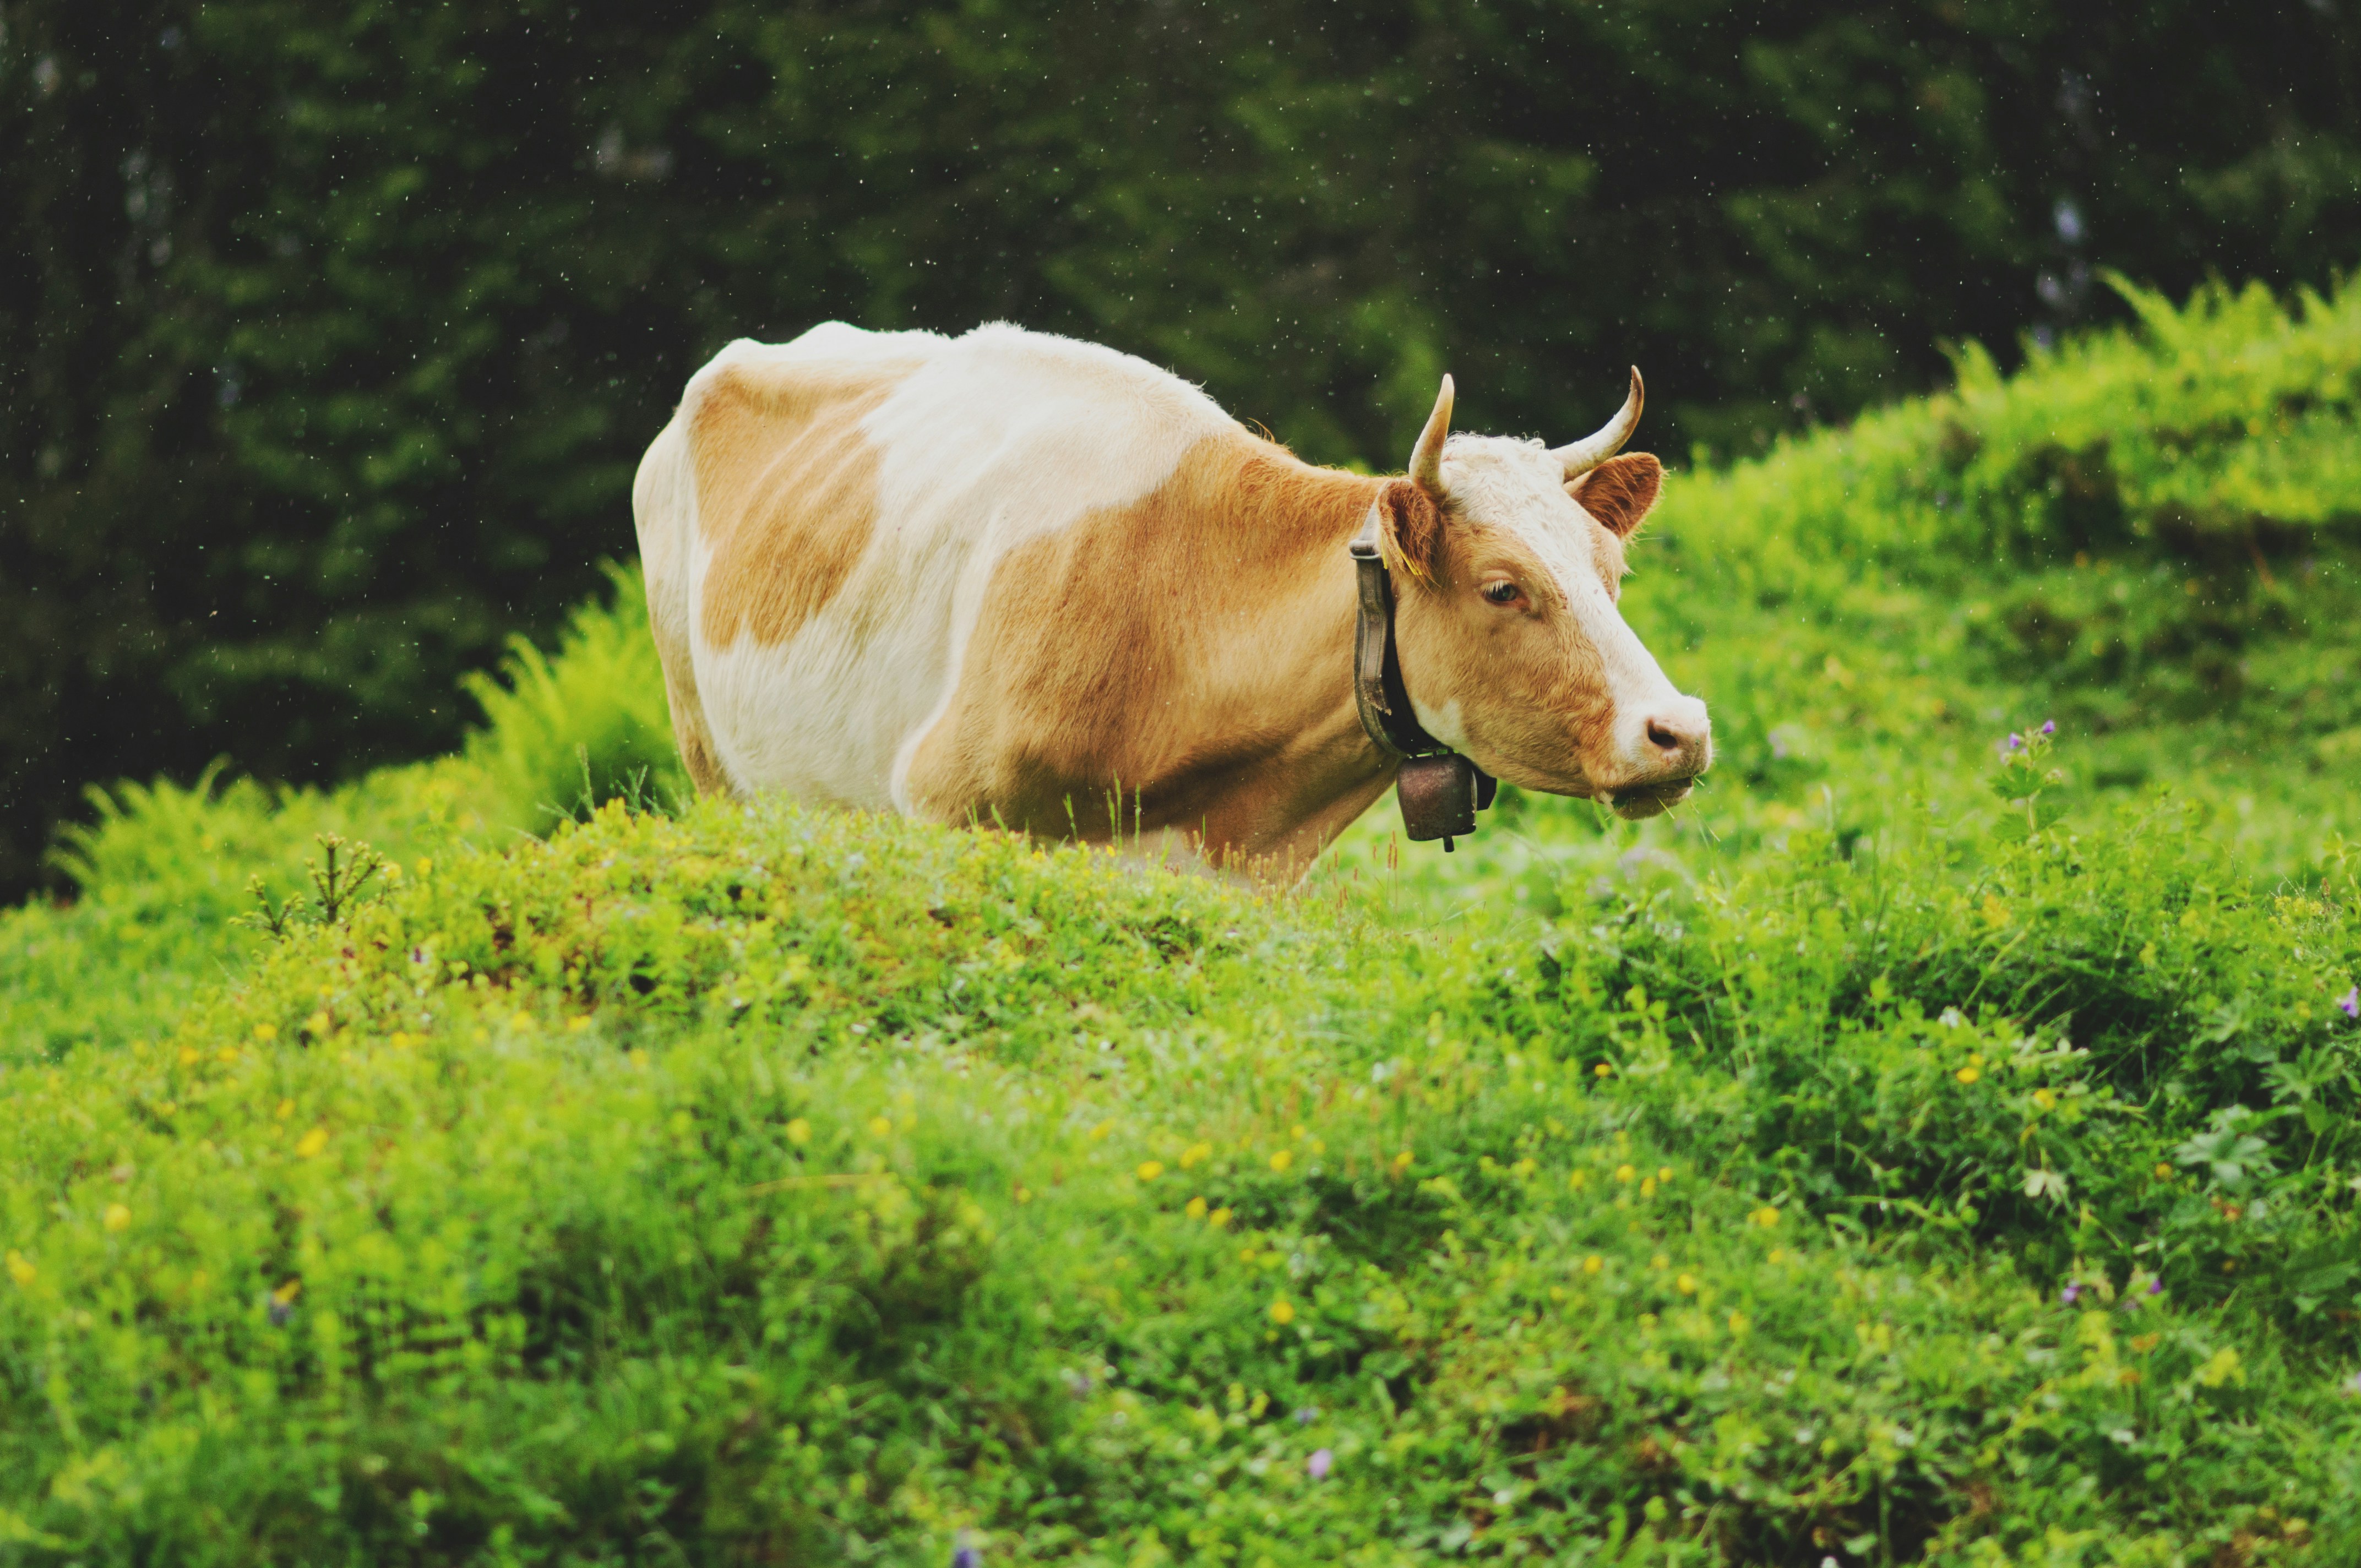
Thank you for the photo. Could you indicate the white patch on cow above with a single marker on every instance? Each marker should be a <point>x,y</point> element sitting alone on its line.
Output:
<point>998,438</point>
<point>1444,723</point>
<point>664,510</point>
<point>1518,486</point>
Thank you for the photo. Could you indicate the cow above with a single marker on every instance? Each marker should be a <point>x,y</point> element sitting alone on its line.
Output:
<point>1015,578</point>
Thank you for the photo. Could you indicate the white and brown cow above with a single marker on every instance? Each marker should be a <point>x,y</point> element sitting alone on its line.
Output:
<point>1002,577</point>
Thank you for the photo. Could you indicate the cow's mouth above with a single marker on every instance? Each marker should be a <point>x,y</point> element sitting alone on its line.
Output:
<point>1649,800</point>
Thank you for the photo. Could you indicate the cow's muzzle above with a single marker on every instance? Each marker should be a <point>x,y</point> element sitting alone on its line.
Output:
<point>1649,800</point>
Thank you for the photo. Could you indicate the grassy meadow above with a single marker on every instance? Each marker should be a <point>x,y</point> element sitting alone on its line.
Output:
<point>1936,1144</point>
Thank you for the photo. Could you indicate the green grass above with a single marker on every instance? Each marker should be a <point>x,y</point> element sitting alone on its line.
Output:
<point>1917,1152</point>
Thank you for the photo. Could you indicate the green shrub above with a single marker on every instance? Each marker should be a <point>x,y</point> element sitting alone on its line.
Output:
<point>565,734</point>
<point>771,1183</point>
<point>163,867</point>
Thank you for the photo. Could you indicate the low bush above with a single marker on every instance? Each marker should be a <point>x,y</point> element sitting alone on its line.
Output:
<point>778,1184</point>
<point>163,869</point>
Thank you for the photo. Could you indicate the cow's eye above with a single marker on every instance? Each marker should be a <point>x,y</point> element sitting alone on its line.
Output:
<point>1500,593</point>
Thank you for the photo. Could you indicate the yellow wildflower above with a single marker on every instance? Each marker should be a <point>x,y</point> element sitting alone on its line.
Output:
<point>1664,1173</point>
<point>285,1295</point>
<point>1194,1208</point>
<point>117,1217</point>
<point>1282,1159</point>
<point>318,1023</point>
<point>1647,1187</point>
<point>1660,1261</point>
<point>1625,1173</point>
<point>1282,1311</point>
<point>1686,1284</point>
<point>424,867</point>
<point>1778,1255</point>
<point>879,1126</point>
<point>2045,1099</point>
<point>2163,1172</point>
<point>1603,1070</point>
<point>308,1146</point>
<point>1578,1180</point>
<point>1738,1323</point>
<point>20,1268</point>
<point>579,1021</point>
<point>1194,1153</point>
<point>286,1109</point>
<point>1218,1217</point>
<point>1401,1160</point>
<point>1766,1216</point>
<point>1967,1074</point>
<point>191,1056</point>
<point>1593,1264</point>
<point>1150,1169</point>
<point>800,1132</point>
<point>266,1032</point>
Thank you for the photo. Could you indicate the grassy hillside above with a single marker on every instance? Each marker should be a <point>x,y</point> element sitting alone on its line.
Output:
<point>1924,1150</point>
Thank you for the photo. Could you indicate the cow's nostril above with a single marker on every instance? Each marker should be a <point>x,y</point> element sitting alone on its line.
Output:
<point>1663,735</point>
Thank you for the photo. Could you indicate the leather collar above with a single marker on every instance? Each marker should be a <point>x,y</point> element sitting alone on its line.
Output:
<point>1439,790</point>
<point>1378,685</point>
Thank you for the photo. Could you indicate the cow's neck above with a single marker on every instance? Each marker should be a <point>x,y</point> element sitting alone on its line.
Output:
<point>1279,764</point>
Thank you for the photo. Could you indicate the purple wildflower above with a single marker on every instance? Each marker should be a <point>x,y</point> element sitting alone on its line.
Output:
<point>1306,1416</point>
<point>2050,727</point>
<point>967,1557</point>
<point>2156,1287</point>
<point>2351,1003</point>
<point>2070,1294</point>
<point>1319,1463</point>
<point>2016,741</point>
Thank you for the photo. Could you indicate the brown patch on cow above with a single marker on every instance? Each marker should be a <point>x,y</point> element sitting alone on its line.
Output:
<point>787,489</point>
<point>1107,653</point>
<point>1621,492</point>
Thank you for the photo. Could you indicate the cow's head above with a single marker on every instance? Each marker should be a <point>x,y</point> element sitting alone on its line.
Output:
<point>1508,561</point>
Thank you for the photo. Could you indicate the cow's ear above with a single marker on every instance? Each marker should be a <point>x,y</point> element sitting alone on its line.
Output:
<point>1620,491</point>
<point>1413,528</point>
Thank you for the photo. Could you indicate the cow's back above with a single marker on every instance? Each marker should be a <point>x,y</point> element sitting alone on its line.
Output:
<point>821,519</point>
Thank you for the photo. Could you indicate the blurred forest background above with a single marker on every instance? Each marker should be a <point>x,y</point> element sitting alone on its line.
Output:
<point>332,331</point>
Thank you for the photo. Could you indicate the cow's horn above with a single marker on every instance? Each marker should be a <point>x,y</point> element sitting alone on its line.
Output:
<point>1426,458</point>
<point>1582,456</point>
